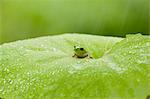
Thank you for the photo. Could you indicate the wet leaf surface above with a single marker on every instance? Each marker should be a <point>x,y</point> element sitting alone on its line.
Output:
<point>44,67</point>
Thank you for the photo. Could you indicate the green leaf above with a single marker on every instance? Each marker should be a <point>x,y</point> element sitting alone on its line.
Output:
<point>44,67</point>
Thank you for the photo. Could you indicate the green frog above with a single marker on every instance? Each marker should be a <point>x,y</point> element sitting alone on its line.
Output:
<point>80,52</point>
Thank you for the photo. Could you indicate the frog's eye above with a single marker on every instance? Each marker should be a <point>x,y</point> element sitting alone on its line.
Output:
<point>81,49</point>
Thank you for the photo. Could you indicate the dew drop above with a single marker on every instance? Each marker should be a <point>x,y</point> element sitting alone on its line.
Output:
<point>1,90</point>
<point>53,73</point>
<point>4,81</point>
<point>130,52</point>
<point>10,81</point>
<point>124,54</point>
<point>6,70</point>
<point>71,71</point>
<point>42,45</point>
<point>54,49</point>
<point>28,73</point>
<point>138,80</point>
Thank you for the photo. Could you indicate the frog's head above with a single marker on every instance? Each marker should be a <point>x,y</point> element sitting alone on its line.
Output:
<point>80,52</point>
<point>77,48</point>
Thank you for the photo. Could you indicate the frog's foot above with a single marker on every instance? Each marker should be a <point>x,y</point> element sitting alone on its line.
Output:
<point>74,55</point>
<point>90,57</point>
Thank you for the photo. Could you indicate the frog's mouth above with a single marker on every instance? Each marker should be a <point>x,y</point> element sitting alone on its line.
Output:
<point>83,56</point>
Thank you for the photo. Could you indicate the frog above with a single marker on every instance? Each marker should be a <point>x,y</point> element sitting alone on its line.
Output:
<point>80,52</point>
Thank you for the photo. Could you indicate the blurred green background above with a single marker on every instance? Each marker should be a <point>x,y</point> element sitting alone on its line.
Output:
<point>21,19</point>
